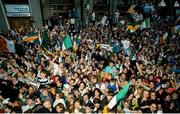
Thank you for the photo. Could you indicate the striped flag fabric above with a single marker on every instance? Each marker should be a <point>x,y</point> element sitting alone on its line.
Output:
<point>67,43</point>
<point>29,39</point>
<point>120,95</point>
<point>6,45</point>
<point>132,28</point>
<point>33,38</point>
<point>145,23</point>
<point>132,55</point>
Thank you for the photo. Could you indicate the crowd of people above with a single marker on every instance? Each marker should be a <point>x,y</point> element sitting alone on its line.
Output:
<point>108,68</point>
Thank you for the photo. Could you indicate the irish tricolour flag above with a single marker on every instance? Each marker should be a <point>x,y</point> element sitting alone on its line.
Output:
<point>67,43</point>
<point>145,24</point>
<point>120,95</point>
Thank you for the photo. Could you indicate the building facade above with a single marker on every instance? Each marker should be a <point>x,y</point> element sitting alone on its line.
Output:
<point>17,13</point>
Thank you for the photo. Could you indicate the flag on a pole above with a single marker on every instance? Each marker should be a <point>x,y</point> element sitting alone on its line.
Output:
<point>145,23</point>
<point>131,9</point>
<point>67,43</point>
<point>33,38</point>
<point>103,20</point>
<point>121,94</point>
<point>165,36</point>
<point>6,45</point>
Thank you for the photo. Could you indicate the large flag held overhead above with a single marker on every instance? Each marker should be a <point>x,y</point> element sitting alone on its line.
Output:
<point>29,39</point>
<point>33,38</point>
<point>67,43</point>
<point>6,45</point>
<point>121,94</point>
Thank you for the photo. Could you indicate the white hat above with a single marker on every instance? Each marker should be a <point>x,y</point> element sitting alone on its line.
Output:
<point>66,86</point>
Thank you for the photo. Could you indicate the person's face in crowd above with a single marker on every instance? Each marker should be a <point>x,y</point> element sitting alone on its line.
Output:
<point>47,104</point>
<point>133,81</point>
<point>146,94</point>
<point>21,90</point>
<point>59,109</point>
<point>149,59</point>
<point>37,101</point>
<point>123,76</point>
<point>139,82</point>
<point>81,66</point>
<point>45,92</point>
<point>70,98</point>
<point>153,107</point>
<point>126,105</point>
<point>76,93</point>
<point>42,74</point>
<point>96,93</point>
<point>30,102</point>
<point>168,98</point>
<point>85,97</point>
<point>130,97</point>
<point>94,80</point>
<point>61,65</point>
<point>53,91</point>
<point>97,105</point>
<point>172,106</point>
<point>111,64</point>
<point>125,71</point>
<point>75,76</point>
<point>164,77</point>
<point>88,110</point>
<point>71,82</point>
<point>31,90</point>
<point>150,78</point>
<point>77,105</point>
<point>2,71</point>
<point>168,84</point>
<point>153,96</point>
<point>134,100</point>
<point>68,78</point>
<point>81,86</point>
<point>152,85</point>
<point>57,96</point>
<point>174,96</point>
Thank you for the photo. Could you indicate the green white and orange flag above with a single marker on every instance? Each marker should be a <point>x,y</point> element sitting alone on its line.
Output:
<point>145,23</point>
<point>6,45</point>
<point>120,95</point>
<point>67,43</point>
<point>33,38</point>
<point>29,39</point>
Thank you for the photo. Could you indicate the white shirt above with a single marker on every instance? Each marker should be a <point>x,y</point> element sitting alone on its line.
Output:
<point>125,43</point>
<point>57,101</point>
